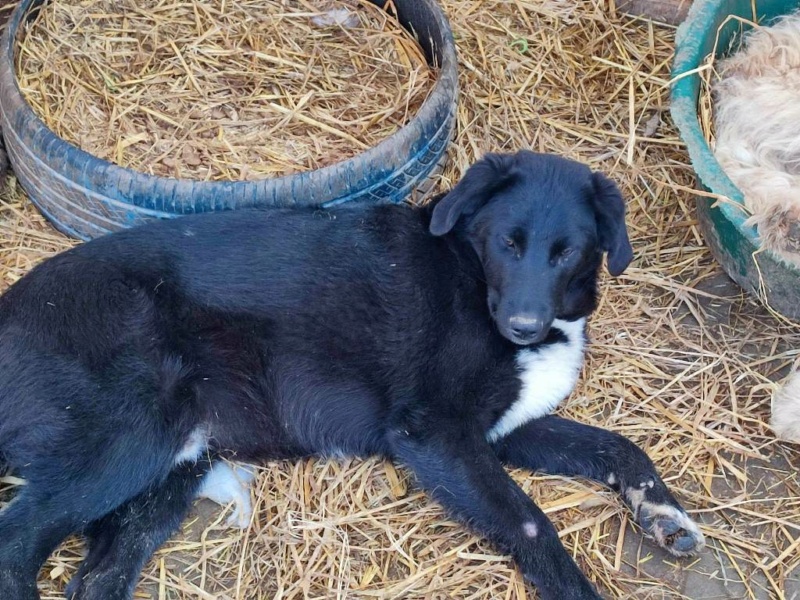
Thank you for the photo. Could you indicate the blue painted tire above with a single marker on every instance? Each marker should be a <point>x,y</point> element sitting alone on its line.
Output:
<point>85,197</point>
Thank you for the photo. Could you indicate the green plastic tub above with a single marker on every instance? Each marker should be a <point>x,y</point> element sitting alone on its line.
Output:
<point>734,245</point>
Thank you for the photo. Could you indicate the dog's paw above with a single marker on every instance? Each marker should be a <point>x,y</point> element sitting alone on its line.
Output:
<point>671,528</point>
<point>225,484</point>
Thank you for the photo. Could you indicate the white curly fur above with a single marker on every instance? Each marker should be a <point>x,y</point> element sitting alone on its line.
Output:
<point>757,121</point>
<point>786,408</point>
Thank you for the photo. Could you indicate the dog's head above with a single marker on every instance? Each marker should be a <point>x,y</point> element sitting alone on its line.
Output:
<point>540,225</point>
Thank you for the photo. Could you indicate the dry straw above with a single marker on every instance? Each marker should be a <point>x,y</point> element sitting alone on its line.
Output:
<point>212,89</point>
<point>680,361</point>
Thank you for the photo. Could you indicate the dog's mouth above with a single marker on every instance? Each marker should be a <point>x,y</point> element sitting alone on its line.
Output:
<point>523,340</point>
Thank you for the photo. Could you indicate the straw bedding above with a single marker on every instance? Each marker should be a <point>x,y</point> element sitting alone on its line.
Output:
<point>680,361</point>
<point>222,89</point>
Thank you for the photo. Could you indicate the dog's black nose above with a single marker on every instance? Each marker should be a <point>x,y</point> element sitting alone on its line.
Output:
<point>526,327</point>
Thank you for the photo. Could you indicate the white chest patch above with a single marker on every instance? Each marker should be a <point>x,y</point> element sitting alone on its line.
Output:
<point>548,375</point>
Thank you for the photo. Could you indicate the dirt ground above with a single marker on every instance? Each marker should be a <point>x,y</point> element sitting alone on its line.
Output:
<point>680,361</point>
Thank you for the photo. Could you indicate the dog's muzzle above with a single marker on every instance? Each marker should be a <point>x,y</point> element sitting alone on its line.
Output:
<point>525,329</point>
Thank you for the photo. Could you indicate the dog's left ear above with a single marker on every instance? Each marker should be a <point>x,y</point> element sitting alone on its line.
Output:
<point>609,209</point>
<point>483,179</point>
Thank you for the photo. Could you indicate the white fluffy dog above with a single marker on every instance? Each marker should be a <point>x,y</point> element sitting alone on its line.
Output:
<point>757,121</point>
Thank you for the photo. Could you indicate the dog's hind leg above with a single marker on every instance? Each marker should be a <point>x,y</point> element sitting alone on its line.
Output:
<point>123,541</point>
<point>30,529</point>
<point>63,497</point>
<point>563,447</point>
<point>79,466</point>
<point>35,522</point>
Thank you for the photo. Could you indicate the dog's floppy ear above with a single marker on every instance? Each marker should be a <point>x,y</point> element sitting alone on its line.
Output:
<point>483,179</point>
<point>609,209</point>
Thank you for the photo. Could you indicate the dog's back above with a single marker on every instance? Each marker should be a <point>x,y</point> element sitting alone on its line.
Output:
<point>180,311</point>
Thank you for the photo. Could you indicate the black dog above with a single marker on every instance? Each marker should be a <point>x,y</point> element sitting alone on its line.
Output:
<point>440,337</point>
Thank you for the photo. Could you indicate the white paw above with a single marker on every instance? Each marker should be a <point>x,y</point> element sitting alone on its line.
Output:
<point>672,528</point>
<point>226,484</point>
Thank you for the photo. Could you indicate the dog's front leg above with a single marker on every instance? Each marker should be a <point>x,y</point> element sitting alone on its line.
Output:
<point>563,447</point>
<point>456,465</point>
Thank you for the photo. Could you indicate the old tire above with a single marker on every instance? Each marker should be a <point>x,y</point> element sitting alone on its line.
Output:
<point>85,197</point>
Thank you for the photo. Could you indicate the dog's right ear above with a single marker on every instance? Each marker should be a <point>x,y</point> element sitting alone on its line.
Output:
<point>609,210</point>
<point>483,179</point>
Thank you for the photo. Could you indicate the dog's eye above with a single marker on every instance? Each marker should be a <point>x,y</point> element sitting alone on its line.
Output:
<point>566,253</point>
<point>510,242</point>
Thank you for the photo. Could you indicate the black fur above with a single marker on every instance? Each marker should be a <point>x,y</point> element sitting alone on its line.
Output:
<point>380,330</point>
